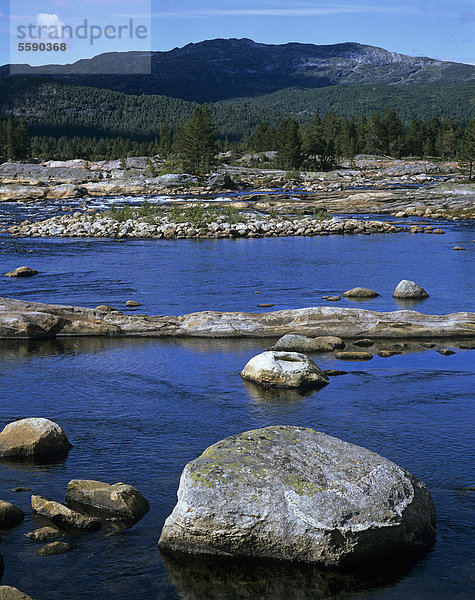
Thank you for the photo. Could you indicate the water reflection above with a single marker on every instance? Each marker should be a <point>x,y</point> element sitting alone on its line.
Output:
<point>408,303</point>
<point>275,395</point>
<point>214,578</point>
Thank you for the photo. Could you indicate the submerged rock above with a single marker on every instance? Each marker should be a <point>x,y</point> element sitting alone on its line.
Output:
<point>53,548</point>
<point>291,493</point>
<point>354,355</point>
<point>22,272</point>
<point>119,501</point>
<point>360,292</point>
<point>44,534</point>
<point>409,289</point>
<point>10,515</point>
<point>33,439</point>
<point>284,369</point>
<point>61,515</point>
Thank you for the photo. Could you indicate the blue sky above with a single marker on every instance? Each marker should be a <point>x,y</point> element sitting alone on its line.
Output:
<point>440,29</point>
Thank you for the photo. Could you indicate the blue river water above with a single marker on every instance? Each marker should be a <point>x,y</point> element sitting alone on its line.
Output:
<point>137,410</point>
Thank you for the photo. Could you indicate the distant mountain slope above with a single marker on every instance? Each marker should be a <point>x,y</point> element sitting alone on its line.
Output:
<point>421,101</point>
<point>220,69</point>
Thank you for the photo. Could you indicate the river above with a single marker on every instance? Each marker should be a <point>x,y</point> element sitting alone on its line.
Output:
<point>137,410</point>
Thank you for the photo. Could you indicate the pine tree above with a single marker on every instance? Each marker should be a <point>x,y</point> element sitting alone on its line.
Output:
<point>467,148</point>
<point>196,142</point>
<point>288,144</point>
<point>165,144</point>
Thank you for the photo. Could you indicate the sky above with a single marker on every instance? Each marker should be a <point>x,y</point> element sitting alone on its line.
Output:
<point>442,29</point>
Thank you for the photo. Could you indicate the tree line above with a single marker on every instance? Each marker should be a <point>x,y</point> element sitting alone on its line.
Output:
<point>317,145</point>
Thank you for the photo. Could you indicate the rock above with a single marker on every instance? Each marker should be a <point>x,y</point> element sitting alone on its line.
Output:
<point>364,342</point>
<point>301,343</point>
<point>388,353</point>
<point>354,355</point>
<point>334,372</point>
<point>331,298</point>
<point>22,272</point>
<point>10,515</point>
<point>10,593</point>
<point>61,515</point>
<point>290,493</point>
<point>119,501</point>
<point>33,439</point>
<point>20,319</point>
<point>467,346</point>
<point>44,534</point>
<point>428,344</point>
<point>438,231</point>
<point>105,308</point>
<point>131,303</point>
<point>265,305</point>
<point>459,248</point>
<point>21,489</point>
<point>409,289</point>
<point>360,292</point>
<point>445,351</point>
<point>53,548</point>
<point>221,181</point>
<point>284,369</point>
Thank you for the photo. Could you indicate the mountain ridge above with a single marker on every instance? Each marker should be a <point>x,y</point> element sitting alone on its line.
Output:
<point>221,69</point>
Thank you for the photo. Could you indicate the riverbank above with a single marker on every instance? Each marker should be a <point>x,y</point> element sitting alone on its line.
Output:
<point>366,185</point>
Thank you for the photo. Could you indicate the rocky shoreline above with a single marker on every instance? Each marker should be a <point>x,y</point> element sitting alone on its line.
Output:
<point>366,185</point>
<point>34,320</point>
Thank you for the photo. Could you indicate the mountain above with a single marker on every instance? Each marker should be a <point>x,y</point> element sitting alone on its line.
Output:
<point>221,69</point>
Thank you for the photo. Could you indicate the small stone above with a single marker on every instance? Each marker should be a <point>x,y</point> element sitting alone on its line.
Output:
<point>360,292</point>
<point>334,372</point>
<point>354,355</point>
<point>61,515</point>
<point>53,548</point>
<point>388,353</point>
<point>331,298</point>
<point>21,489</point>
<point>265,305</point>
<point>10,515</point>
<point>459,248</point>
<point>105,308</point>
<point>406,289</point>
<point>428,344</point>
<point>445,351</point>
<point>22,272</point>
<point>438,231</point>
<point>467,346</point>
<point>44,534</point>
<point>364,342</point>
<point>132,303</point>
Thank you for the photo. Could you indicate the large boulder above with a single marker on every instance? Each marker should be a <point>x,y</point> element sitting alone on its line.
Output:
<point>119,501</point>
<point>291,493</point>
<point>10,593</point>
<point>33,439</point>
<point>284,369</point>
<point>301,343</point>
<point>61,515</point>
<point>10,515</point>
<point>406,289</point>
